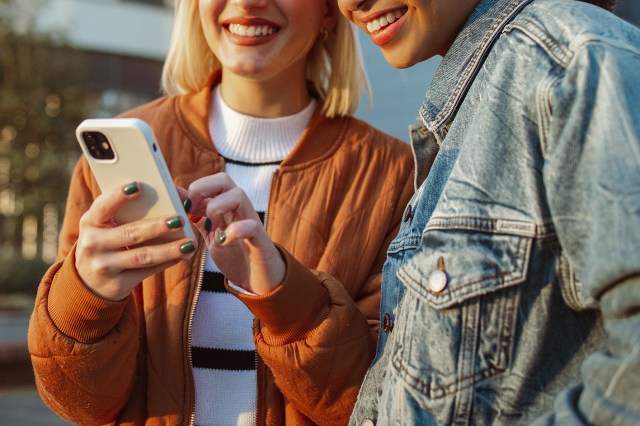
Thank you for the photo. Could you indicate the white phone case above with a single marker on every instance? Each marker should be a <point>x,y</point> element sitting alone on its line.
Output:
<point>137,157</point>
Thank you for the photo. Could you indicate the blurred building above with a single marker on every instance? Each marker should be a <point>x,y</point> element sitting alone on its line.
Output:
<point>117,47</point>
<point>125,42</point>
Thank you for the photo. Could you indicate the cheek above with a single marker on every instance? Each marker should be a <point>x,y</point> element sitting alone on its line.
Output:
<point>307,13</point>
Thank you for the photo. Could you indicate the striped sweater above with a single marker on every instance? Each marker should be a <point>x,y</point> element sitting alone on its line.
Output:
<point>223,353</point>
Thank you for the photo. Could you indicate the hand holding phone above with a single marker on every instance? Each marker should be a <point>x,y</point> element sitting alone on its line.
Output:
<point>124,150</point>
<point>138,225</point>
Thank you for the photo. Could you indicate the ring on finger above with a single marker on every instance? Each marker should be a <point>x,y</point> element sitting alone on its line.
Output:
<point>220,237</point>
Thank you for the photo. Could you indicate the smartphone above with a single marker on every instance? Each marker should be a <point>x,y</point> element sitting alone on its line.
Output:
<point>124,150</point>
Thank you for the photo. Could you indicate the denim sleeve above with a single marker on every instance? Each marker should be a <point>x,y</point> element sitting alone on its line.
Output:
<point>590,117</point>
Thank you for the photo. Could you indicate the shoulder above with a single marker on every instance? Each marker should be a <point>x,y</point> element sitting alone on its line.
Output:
<point>158,109</point>
<point>363,137</point>
<point>357,149</point>
<point>564,29</point>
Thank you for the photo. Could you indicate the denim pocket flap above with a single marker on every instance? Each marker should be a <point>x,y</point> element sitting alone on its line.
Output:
<point>455,264</point>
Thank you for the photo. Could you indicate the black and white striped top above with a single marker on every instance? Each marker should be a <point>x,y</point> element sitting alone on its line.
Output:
<point>222,349</point>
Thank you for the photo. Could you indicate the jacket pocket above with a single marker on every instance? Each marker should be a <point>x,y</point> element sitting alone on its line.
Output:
<point>460,308</point>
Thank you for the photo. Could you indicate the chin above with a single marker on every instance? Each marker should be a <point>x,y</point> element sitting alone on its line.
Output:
<point>401,61</point>
<point>398,61</point>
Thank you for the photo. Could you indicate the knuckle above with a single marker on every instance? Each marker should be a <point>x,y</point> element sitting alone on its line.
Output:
<point>227,180</point>
<point>89,243</point>
<point>143,258</point>
<point>101,267</point>
<point>90,246</point>
<point>254,227</point>
<point>132,234</point>
<point>238,192</point>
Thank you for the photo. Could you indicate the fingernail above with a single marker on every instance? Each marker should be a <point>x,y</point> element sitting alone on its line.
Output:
<point>187,205</point>
<point>220,237</point>
<point>187,247</point>
<point>174,222</point>
<point>207,224</point>
<point>131,188</point>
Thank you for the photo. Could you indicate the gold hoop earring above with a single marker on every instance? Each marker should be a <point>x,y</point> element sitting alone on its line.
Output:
<point>324,35</point>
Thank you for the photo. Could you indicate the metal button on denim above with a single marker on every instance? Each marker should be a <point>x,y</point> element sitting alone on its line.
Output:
<point>437,281</point>
<point>368,422</point>
<point>387,324</point>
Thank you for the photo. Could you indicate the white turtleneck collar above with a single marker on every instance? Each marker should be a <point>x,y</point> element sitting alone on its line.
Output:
<point>252,139</point>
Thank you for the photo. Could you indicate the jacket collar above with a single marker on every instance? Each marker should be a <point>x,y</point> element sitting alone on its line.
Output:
<point>318,141</point>
<point>465,57</point>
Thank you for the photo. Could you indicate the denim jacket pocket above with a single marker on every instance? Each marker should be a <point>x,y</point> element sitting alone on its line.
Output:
<point>460,308</point>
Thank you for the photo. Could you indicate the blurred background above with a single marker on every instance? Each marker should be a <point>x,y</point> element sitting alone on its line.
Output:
<point>65,60</point>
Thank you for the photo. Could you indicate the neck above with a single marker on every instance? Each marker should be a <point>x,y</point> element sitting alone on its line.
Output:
<point>264,98</point>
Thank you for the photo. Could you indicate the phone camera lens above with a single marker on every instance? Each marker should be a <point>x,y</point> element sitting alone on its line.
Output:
<point>98,145</point>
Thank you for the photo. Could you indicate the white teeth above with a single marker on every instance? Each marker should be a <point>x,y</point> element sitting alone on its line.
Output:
<point>251,31</point>
<point>383,21</point>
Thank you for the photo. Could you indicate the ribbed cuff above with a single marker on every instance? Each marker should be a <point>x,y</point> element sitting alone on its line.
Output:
<point>76,310</point>
<point>294,308</point>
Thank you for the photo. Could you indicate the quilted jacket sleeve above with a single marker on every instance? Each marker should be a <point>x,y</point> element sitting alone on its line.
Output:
<point>76,339</point>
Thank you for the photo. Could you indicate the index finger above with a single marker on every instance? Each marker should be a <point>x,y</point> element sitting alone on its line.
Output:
<point>106,205</point>
<point>204,189</point>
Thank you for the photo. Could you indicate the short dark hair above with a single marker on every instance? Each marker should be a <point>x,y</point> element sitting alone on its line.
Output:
<point>605,4</point>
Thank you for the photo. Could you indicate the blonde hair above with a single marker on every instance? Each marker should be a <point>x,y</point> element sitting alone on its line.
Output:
<point>334,65</point>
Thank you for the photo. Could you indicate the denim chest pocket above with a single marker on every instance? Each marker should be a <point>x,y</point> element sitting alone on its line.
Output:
<point>460,309</point>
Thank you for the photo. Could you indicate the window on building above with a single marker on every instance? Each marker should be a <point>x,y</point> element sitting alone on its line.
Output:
<point>156,2</point>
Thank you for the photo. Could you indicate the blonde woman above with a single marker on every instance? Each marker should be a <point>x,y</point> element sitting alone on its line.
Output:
<point>251,323</point>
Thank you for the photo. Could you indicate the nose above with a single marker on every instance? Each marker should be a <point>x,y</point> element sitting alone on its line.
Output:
<point>353,5</point>
<point>248,4</point>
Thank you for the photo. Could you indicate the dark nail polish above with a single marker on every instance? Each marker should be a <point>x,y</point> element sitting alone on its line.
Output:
<point>187,247</point>
<point>174,222</point>
<point>187,205</point>
<point>131,188</point>
<point>207,224</point>
<point>220,237</point>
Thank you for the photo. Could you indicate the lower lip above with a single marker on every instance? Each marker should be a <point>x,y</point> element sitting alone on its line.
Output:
<point>382,37</point>
<point>249,41</point>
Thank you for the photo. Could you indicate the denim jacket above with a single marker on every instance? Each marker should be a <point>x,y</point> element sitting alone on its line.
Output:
<point>511,294</point>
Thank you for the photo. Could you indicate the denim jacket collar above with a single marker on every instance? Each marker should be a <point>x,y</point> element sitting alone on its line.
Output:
<point>465,57</point>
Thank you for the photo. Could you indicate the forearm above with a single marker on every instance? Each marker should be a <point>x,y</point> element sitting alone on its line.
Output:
<point>316,342</point>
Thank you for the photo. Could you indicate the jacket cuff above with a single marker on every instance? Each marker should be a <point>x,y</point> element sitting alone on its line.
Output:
<point>291,310</point>
<point>78,312</point>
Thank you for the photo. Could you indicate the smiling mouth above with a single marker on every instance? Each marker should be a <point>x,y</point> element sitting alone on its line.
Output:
<point>383,21</point>
<point>251,30</point>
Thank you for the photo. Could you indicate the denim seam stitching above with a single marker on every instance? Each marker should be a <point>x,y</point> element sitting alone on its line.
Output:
<point>547,43</point>
<point>472,67</point>
<point>502,278</point>
<point>465,381</point>
<point>487,225</point>
<point>439,392</point>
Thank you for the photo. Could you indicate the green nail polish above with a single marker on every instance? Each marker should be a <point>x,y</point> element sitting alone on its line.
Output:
<point>131,188</point>
<point>174,222</point>
<point>220,237</point>
<point>187,205</point>
<point>207,224</point>
<point>187,247</point>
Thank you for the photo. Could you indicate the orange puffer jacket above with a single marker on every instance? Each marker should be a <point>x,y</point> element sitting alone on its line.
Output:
<point>335,204</point>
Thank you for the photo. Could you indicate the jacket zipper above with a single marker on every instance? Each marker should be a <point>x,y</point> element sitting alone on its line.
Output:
<point>266,213</point>
<point>192,418</point>
<point>260,409</point>
<point>259,402</point>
